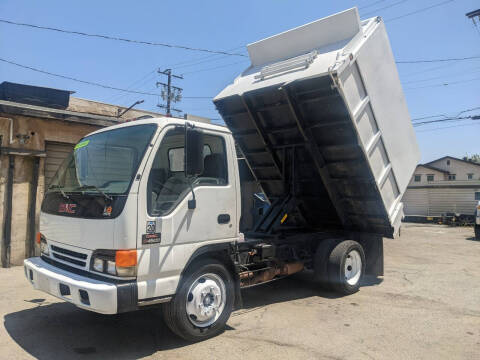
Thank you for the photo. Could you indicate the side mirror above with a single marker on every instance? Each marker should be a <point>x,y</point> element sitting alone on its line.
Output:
<point>193,152</point>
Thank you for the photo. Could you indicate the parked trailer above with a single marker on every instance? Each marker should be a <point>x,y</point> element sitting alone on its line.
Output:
<point>149,212</point>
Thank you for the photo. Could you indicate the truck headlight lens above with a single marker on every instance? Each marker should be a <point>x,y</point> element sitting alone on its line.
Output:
<point>44,247</point>
<point>98,264</point>
<point>111,269</point>
<point>121,263</point>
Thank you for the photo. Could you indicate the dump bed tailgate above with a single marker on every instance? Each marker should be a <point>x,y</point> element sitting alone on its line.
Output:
<point>322,121</point>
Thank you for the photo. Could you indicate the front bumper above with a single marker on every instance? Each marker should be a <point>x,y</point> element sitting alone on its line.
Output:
<point>85,292</point>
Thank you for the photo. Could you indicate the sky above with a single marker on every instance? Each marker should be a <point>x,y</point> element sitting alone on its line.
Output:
<point>442,32</point>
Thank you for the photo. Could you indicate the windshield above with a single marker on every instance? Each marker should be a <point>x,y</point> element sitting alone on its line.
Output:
<point>105,162</point>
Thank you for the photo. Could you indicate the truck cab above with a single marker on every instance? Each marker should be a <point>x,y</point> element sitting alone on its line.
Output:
<point>120,202</point>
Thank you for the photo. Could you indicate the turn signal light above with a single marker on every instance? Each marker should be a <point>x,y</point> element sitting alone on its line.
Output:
<point>38,239</point>
<point>126,258</point>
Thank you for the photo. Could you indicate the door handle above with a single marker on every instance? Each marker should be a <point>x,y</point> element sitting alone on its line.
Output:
<point>223,218</point>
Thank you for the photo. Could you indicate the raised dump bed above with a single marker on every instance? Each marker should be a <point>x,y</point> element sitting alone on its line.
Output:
<point>322,121</point>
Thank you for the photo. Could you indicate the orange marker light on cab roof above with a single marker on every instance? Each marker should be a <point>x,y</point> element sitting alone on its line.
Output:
<point>38,239</point>
<point>126,258</point>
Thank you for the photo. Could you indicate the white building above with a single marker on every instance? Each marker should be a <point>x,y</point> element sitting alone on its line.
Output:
<point>445,185</point>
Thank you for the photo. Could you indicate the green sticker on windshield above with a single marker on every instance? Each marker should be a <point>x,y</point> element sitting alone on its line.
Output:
<point>81,144</point>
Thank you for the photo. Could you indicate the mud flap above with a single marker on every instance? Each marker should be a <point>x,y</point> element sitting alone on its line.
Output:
<point>373,248</point>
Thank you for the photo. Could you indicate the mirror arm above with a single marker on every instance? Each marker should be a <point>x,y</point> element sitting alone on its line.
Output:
<point>192,204</point>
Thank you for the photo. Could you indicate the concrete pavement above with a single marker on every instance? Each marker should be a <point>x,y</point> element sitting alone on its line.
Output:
<point>426,307</point>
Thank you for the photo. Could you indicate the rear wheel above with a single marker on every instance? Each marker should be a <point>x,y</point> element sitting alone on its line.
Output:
<point>203,303</point>
<point>346,267</point>
<point>477,232</point>
<point>320,264</point>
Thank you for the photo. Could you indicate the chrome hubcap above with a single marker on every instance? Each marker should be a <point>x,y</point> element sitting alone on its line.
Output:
<point>205,300</point>
<point>353,267</point>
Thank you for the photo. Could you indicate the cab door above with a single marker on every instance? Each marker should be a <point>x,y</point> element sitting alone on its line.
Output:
<point>168,231</point>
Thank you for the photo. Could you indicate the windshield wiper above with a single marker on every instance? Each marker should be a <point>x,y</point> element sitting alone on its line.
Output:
<point>87,187</point>
<point>59,188</point>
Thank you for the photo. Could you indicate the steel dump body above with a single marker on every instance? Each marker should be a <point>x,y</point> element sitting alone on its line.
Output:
<point>322,121</point>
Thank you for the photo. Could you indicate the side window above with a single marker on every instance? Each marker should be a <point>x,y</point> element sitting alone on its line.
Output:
<point>167,184</point>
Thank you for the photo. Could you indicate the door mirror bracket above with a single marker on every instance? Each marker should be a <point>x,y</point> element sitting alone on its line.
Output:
<point>193,157</point>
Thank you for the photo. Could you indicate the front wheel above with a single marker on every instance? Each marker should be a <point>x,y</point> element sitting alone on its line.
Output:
<point>346,267</point>
<point>203,303</point>
<point>477,232</point>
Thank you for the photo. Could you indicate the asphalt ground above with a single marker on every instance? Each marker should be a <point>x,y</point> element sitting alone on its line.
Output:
<point>427,306</point>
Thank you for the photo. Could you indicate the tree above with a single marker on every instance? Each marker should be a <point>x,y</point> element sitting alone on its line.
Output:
<point>473,158</point>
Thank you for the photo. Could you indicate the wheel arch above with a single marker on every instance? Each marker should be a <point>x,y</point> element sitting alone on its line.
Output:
<point>220,252</point>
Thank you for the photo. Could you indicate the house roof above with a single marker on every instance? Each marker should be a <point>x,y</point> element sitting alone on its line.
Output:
<point>434,168</point>
<point>454,158</point>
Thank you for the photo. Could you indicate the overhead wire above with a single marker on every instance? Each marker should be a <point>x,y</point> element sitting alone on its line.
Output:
<point>418,11</point>
<point>457,118</point>
<point>117,38</point>
<point>385,7</point>
<point>437,60</point>
<point>446,127</point>
<point>213,68</point>
<point>136,85</point>
<point>463,73</point>
<point>93,83</point>
<point>370,5</point>
<point>443,84</point>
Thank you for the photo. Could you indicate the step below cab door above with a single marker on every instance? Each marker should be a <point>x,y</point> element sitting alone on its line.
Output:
<point>168,231</point>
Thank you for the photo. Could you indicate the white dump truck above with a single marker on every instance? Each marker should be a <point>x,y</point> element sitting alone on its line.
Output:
<point>157,211</point>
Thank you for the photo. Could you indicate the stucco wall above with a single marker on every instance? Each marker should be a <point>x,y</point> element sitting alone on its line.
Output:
<point>93,107</point>
<point>39,131</point>
<point>42,129</point>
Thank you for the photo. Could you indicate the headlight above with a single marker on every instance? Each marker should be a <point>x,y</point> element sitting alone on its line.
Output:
<point>121,263</point>
<point>98,264</point>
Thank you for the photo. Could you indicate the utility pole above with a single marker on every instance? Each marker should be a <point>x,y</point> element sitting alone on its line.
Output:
<point>169,93</point>
<point>472,15</point>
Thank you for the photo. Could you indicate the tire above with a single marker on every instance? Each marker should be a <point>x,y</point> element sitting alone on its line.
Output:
<point>320,261</point>
<point>477,232</point>
<point>206,285</point>
<point>346,267</point>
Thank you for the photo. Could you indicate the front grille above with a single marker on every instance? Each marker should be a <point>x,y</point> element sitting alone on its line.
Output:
<point>69,252</point>
<point>69,256</point>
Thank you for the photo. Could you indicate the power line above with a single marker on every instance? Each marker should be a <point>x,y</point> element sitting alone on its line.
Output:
<point>459,118</point>
<point>385,7</point>
<point>419,10</point>
<point>134,85</point>
<point>203,59</point>
<point>214,68</point>
<point>445,116</point>
<point>437,60</point>
<point>446,127</point>
<point>94,83</point>
<point>463,73</point>
<point>468,110</point>
<point>370,5</point>
<point>443,84</point>
<point>107,37</point>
